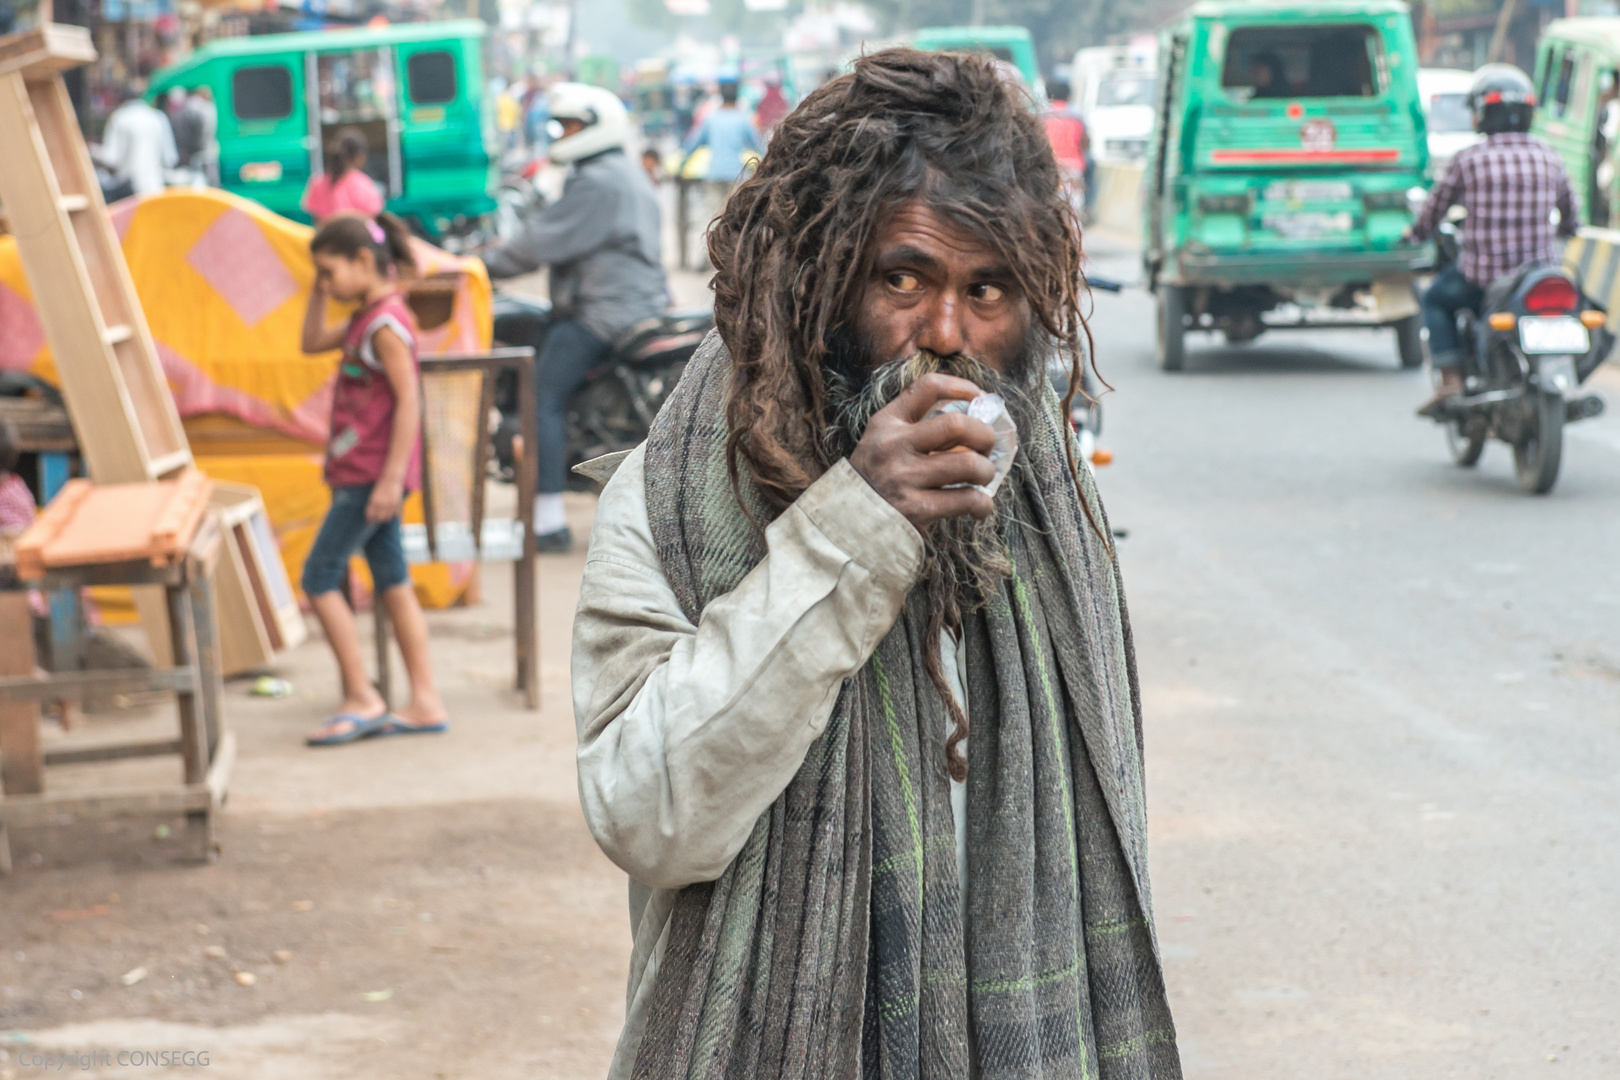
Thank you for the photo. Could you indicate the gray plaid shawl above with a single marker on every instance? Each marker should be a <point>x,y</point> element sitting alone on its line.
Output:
<point>837,943</point>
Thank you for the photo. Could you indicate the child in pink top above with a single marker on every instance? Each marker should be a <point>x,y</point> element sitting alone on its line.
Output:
<point>344,187</point>
<point>373,460</point>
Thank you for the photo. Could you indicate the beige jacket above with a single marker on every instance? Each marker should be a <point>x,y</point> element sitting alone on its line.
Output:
<point>688,734</point>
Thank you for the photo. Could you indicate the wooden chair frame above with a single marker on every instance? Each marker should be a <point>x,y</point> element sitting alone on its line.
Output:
<point>525,630</point>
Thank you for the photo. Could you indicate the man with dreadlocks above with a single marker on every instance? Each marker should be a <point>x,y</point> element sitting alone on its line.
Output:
<point>797,601</point>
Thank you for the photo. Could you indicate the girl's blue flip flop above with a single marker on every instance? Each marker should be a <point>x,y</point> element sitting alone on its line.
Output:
<point>360,727</point>
<point>397,726</point>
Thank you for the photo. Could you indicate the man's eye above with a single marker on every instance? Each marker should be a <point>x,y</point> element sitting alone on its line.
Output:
<point>904,282</point>
<point>988,293</point>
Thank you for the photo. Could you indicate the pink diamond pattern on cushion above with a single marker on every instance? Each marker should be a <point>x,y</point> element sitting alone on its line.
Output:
<point>234,257</point>
<point>21,336</point>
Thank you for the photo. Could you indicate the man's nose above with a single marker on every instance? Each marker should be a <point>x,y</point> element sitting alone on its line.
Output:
<point>941,332</point>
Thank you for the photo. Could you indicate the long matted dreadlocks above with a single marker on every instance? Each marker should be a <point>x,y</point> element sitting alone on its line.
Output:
<point>793,247</point>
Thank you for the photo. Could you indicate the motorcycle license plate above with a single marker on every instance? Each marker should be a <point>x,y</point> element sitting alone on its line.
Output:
<point>1553,334</point>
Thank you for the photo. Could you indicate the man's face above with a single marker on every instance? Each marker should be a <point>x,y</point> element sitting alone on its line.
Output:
<point>935,287</point>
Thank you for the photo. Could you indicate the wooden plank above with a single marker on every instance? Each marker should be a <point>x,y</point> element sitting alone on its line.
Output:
<point>48,48</point>
<point>289,629</point>
<point>143,575</point>
<point>526,617</point>
<point>177,527</point>
<point>41,425</point>
<point>168,464</point>
<point>234,502</point>
<point>77,685</point>
<point>244,640</point>
<point>83,755</point>
<point>64,301</point>
<point>193,749</point>
<point>247,552</point>
<point>46,808</point>
<point>380,636</point>
<point>206,660</point>
<point>219,773</point>
<point>103,523</point>
<point>486,403</point>
<point>152,407</point>
<point>244,635</point>
<point>22,766</point>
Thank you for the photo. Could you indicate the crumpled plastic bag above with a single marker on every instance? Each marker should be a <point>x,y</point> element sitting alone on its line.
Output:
<point>992,410</point>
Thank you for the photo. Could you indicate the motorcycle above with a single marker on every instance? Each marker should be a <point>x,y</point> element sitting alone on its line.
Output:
<point>1525,356</point>
<point>614,406</point>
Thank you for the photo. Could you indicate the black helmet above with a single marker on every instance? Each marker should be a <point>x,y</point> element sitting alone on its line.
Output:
<point>1501,99</point>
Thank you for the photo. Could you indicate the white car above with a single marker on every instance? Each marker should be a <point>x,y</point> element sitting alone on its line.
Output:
<point>1113,90</point>
<point>1445,103</point>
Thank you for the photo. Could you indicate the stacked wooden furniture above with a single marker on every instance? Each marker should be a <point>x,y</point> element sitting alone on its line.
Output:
<point>153,534</point>
<point>123,413</point>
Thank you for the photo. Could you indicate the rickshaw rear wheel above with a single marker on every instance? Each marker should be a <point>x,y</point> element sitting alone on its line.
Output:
<point>1172,327</point>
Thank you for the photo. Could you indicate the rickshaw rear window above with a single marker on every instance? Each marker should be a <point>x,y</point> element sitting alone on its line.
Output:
<point>1125,88</point>
<point>1304,61</point>
<point>432,77</point>
<point>262,93</point>
<point>1449,114</point>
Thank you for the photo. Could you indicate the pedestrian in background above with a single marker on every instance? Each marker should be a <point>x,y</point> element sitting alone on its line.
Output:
<point>537,117</point>
<point>203,117</point>
<point>344,186</point>
<point>1067,133</point>
<point>373,461</point>
<point>729,134</point>
<point>138,145</point>
<point>773,106</point>
<point>194,133</point>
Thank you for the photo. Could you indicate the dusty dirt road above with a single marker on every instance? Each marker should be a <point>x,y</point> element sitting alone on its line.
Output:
<point>438,907</point>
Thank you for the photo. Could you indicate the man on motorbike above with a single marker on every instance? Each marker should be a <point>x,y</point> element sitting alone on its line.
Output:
<point>602,242</point>
<point>1509,185</point>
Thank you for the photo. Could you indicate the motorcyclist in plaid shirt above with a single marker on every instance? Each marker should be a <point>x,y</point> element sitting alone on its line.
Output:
<point>1509,184</point>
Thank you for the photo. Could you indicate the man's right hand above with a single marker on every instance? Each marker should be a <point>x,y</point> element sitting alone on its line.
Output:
<point>910,460</point>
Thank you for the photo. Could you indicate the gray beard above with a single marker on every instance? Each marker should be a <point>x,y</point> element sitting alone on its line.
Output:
<point>965,559</point>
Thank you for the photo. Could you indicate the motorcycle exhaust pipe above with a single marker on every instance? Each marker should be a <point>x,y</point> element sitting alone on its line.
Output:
<point>1583,408</point>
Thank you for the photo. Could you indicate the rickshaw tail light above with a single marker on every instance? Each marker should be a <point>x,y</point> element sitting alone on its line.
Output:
<point>1592,320</point>
<point>1553,295</point>
<point>1100,456</point>
<point>1503,320</point>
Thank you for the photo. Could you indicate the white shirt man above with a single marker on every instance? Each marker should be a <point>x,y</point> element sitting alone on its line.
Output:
<point>139,145</point>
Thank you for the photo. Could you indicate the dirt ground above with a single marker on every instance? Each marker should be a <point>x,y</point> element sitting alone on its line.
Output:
<point>426,906</point>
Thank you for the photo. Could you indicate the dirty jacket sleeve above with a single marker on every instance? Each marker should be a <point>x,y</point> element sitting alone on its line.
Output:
<point>687,734</point>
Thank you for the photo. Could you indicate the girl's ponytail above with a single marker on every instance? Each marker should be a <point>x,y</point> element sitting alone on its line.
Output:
<point>397,238</point>
<point>387,238</point>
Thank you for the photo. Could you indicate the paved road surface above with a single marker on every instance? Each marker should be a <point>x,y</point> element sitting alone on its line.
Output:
<point>1383,704</point>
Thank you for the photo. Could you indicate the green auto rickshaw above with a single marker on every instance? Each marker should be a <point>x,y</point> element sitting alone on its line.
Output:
<point>1577,80</point>
<point>415,91</point>
<point>1012,45</point>
<point>1287,160</point>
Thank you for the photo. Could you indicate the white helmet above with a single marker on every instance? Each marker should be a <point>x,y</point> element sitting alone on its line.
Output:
<point>607,125</point>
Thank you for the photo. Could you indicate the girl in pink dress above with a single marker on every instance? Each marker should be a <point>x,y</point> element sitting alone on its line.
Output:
<point>373,460</point>
<point>344,187</point>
